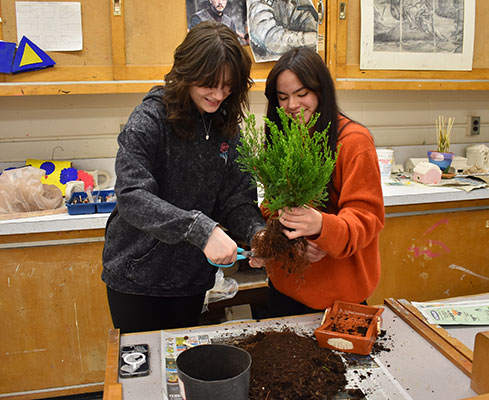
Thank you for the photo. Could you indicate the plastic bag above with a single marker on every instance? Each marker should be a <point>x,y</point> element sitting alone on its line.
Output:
<point>224,288</point>
<point>21,190</point>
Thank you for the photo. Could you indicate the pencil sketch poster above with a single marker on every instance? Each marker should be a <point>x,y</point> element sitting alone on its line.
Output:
<point>276,26</point>
<point>52,25</point>
<point>417,34</point>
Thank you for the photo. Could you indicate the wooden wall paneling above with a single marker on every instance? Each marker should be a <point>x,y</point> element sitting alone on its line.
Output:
<point>153,31</point>
<point>118,37</point>
<point>434,255</point>
<point>136,46</point>
<point>55,314</point>
<point>93,63</point>
<point>331,51</point>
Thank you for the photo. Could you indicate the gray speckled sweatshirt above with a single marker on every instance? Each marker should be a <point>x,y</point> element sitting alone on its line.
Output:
<point>171,193</point>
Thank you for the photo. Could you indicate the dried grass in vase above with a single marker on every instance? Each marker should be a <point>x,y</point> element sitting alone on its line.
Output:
<point>443,129</point>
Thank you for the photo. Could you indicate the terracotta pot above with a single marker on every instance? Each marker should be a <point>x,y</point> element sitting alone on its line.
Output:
<point>349,327</point>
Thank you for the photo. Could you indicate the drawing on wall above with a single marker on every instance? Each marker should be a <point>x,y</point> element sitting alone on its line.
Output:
<point>230,12</point>
<point>53,26</point>
<point>276,26</point>
<point>417,34</point>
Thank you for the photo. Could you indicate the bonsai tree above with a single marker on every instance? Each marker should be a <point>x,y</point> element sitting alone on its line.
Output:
<point>292,168</point>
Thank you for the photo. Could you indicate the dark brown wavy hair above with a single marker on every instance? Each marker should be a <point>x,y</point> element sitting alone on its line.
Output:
<point>200,60</point>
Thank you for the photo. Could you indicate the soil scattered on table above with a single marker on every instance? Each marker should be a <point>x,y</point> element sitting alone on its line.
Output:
<point>287,366</point>
<point>383,343</point>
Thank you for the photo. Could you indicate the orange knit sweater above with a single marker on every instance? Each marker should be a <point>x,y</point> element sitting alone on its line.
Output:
<point>352,222</point>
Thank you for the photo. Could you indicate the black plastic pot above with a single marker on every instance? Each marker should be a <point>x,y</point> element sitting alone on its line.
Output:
<point>214,372</point>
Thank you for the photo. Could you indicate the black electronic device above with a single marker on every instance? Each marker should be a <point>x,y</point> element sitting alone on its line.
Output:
<point>134,361</point>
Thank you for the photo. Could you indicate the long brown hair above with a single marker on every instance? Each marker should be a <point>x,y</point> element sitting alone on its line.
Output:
<point>200,60</point>
<point>314,75</point>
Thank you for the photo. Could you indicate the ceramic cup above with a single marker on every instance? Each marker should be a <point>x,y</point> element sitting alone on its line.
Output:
<point>101,179</point>
<point>72,187</point>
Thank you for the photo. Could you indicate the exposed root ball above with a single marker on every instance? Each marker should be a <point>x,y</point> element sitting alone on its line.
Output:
<point>272,243</point>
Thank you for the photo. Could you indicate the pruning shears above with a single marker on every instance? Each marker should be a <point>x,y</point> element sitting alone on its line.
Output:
<point>242,255</point>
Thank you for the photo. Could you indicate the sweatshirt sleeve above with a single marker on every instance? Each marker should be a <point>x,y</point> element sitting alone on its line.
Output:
<point>137,187</point>
<point>359,216</point>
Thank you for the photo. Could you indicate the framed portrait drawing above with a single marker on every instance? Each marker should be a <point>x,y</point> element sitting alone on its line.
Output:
<point>417,34</point>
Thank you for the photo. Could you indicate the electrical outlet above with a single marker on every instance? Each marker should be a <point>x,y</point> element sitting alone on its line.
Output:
<point>473,125</point>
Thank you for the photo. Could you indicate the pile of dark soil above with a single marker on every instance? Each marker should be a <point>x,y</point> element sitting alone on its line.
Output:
<point>287,366</point>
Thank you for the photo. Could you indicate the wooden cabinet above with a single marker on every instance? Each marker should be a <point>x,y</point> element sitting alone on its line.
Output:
<point>55,315</point>
<point>344,56</point>
<point>434,251</point>
<point>126,52</point>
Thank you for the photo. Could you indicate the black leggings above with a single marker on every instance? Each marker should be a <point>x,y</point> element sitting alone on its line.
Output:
<point>139,313</point>
<point>280,305</point>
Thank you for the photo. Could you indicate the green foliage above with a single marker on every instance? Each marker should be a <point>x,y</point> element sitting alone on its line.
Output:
<point>293,167</point>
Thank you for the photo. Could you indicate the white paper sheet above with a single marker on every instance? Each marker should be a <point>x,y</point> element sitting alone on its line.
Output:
<point>53,26</point>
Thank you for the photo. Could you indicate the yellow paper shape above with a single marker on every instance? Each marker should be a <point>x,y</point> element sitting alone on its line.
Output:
<point>29,57</point>
<point>52,178</point>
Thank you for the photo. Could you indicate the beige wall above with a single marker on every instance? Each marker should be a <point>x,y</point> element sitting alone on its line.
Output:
<point>86,126</point>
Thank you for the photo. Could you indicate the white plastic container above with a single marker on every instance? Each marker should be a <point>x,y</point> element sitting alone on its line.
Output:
<point>385,157</point>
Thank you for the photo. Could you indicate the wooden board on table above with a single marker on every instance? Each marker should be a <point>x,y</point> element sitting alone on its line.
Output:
<point>463,349</point>
<point>437,340</point>
<point>112,387</point>
<point>480,367</point>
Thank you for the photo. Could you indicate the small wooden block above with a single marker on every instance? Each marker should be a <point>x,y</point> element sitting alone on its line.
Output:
<point>480,364</point>
<point>112,387</point>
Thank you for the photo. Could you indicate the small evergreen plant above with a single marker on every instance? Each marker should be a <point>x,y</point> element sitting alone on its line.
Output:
<point>293,167</point>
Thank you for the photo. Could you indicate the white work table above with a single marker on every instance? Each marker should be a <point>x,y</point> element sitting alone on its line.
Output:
<point>418,367</point>
<point>417,193</point>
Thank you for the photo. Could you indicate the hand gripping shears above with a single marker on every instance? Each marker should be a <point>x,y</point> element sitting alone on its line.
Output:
<point>242,255</point>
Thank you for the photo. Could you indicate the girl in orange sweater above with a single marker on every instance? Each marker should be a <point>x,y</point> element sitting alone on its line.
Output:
<point>343,237</point>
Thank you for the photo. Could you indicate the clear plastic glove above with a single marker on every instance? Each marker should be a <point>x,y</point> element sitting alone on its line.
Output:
<point>220,248</point>
<point>303,221</point>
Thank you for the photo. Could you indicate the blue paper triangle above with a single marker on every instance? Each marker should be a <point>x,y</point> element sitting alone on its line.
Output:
<point>41,61</point>
<point>7,51</point>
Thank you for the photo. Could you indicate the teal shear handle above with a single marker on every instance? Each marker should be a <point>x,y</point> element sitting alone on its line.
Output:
<point>242,255</point>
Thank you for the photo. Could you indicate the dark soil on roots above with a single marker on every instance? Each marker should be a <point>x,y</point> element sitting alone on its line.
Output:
<point>272,243</point>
